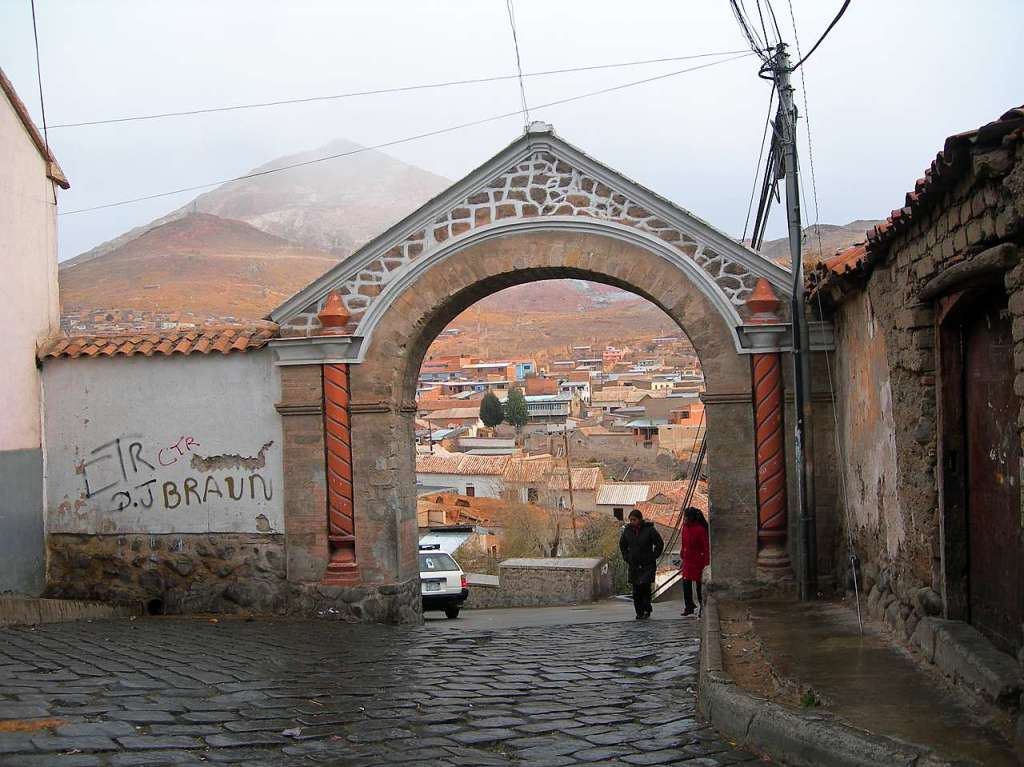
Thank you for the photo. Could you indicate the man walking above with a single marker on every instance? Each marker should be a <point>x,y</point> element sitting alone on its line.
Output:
<point>641,545</point>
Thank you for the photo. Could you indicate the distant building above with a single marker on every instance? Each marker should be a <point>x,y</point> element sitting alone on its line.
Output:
<point>470,475</point>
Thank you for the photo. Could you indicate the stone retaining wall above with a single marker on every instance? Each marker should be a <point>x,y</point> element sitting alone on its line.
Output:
<point>218,573</point>
<point>543,583</point>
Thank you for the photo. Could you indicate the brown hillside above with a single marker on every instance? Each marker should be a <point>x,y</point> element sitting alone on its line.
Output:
<point>499,332</point>
<point>200,264</point>
<point>335,206</point>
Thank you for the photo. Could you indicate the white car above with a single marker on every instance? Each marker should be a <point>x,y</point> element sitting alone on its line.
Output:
<point>442,582</point>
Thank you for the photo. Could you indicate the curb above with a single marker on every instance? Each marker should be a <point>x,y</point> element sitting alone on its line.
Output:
<point>27,611</point>
<point>792,737</point>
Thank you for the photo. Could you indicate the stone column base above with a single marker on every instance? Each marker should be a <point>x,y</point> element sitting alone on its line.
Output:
<point>394,603</point>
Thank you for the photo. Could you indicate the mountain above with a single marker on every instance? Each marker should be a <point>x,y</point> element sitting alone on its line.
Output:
<point>198,264</point>
<point>334,206</point>
<point>833,237</point>
<point>242,248</point>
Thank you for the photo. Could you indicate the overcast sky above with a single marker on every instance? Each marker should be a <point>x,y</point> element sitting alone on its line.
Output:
<point>888,85</point>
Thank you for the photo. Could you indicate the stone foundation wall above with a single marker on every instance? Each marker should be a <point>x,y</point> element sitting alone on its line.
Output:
<point>222,573</point>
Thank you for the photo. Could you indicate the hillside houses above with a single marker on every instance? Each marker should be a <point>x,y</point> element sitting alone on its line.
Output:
<point>543,480</point>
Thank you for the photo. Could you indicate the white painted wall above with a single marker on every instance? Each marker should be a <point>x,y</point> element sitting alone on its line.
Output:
<point>126,439</point>
<point>28,263</point>
<point>485,486</point>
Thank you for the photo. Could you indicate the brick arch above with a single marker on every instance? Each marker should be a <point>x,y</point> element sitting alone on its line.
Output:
<point>382,385</point>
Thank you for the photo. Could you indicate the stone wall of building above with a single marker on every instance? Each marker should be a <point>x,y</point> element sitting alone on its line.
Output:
<point>887,373</point>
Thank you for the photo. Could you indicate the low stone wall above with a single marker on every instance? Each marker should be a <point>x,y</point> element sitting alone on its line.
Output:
<point>218,573</point>
<point>542,583</point>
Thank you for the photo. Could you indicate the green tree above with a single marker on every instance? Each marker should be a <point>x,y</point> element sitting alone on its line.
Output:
<point>491,412</point>
<point>516,412</point>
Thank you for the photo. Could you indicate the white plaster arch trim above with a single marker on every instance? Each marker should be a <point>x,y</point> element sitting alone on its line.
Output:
<point>413,271</point>
<point>540,139</point>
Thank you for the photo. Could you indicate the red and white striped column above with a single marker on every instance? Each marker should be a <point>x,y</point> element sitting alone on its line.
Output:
<point>342,568</point>
<point>770,450</point>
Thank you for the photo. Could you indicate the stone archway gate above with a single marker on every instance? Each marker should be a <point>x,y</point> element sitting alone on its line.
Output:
<point>352,342</point>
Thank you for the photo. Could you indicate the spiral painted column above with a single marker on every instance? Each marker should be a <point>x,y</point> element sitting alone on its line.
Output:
<point>772,519</point>
<point>770,449</point>
<point>341,528</point>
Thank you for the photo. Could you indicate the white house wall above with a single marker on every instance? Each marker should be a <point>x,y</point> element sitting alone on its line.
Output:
<point>483,486</point>
<point>181,444</point>
<point>28,312</point>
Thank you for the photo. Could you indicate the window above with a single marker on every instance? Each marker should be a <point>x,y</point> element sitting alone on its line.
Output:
<point>470,491</point>
<point>532,495</point>
<point>438,563</point>
<point>618,514</point>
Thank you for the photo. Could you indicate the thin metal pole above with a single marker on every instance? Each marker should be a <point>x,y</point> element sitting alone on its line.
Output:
<point>804,446</point>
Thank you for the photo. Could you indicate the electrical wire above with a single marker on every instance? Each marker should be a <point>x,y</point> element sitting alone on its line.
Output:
<point>842,10</point>
<point>42,101</point>
<point>407,139</point>
<point>694,474</point>
<point>384,91</point>
<point>840,456</point>
<point>756,45</point>
<point>757,167</point>
<point>519,64</point>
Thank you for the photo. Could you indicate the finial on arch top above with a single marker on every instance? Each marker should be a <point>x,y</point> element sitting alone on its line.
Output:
<point>334,316</point>
<point>539,126</point>
<point>763,303</point>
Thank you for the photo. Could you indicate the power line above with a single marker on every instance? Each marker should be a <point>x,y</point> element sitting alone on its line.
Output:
<point>757,167</point>
<point>519,64</point>
<point>384,91</point>
<point>42,101</point>
<point>842,10</point>
<point>807,128</point>
<point>405,140</point>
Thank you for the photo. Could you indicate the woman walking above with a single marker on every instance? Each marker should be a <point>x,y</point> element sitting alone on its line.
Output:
<point>641,545</point>
<point>695,553</point>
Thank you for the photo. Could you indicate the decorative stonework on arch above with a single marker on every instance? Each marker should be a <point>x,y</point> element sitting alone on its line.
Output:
<point>537,180</point>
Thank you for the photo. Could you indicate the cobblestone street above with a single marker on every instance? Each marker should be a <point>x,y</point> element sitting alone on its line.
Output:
<point>273,692</point>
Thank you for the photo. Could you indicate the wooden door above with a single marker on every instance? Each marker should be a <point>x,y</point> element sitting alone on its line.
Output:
<point>990,407</point>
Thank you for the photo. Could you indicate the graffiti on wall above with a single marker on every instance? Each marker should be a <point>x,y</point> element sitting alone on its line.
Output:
<point>126,472</point>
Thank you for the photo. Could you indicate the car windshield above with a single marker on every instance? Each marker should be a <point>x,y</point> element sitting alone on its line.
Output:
<point>436,562</point>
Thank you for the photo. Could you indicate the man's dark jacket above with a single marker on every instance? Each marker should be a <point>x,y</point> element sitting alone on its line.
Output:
<point>641,548</point>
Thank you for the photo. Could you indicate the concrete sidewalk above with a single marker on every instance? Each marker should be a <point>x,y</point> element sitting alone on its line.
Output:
<point>874,685</point>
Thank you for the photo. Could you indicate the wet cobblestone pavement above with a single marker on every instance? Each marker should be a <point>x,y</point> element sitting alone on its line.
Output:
<point>269,692</point>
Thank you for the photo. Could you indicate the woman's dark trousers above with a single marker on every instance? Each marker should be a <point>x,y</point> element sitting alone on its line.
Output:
<point>688,595</point>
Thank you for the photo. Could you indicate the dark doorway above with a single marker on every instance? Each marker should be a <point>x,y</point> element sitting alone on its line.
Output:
<point>995,554</point>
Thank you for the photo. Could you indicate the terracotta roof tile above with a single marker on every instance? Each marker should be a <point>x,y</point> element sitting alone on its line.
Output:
<point>461,463</point>
<point>172,341</point>
<point>948,166</point>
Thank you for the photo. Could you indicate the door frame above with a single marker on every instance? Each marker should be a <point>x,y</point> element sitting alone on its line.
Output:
<point>951,311</point>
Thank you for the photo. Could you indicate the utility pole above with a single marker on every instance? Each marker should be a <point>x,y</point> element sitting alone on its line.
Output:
<point>807,578</point>
<point>568,474</point>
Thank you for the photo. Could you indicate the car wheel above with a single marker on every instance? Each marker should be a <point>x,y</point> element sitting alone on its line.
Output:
<point>452,612</point>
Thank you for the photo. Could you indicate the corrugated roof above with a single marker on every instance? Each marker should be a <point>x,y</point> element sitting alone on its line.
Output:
<point>622,494</point>
<point>464,464</point>
<point>168,342</point>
